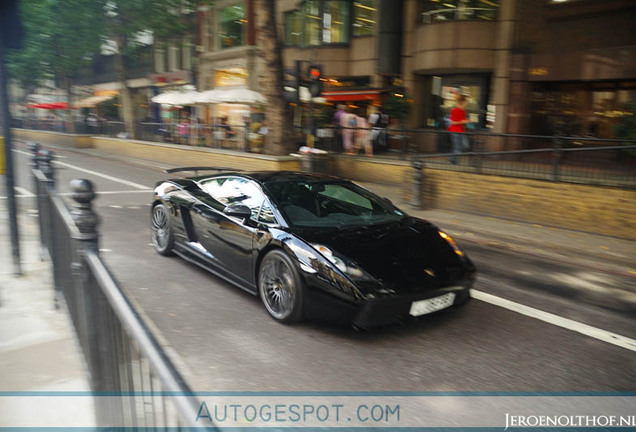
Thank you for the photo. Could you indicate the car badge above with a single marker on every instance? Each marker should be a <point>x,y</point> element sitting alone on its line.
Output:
<point>430,272</point>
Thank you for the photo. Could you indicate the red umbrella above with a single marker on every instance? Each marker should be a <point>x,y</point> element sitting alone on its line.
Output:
<point>51,106</point>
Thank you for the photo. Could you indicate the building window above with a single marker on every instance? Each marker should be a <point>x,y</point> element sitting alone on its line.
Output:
<point>312,22</point>
<point>433,11</point>
<point>173,57</point>
<point>335,22</point>
<point>186,55</point>
<point>231,26</point>
<point>160,59</point>
<point>319,22</point>
<point>364,16</point>
<point>581,109</point>
<point>293,28</point>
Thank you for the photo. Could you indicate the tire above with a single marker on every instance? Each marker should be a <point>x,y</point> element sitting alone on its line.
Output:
<point>280,287</point>
<point>161,230</point>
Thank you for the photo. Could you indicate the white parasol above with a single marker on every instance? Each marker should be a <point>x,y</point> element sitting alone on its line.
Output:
<point>238,96</point>
<point>177,98</point>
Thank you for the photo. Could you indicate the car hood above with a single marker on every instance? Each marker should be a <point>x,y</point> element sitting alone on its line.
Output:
<point>404,256</point>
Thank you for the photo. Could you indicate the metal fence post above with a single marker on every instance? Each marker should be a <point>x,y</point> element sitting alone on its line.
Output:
<point>34,163</point>
<point>418,182</point>
<point>34,148</point>
<point>45,163</point>
<point>93,326</point>
<point>556,160</point>
<point>44,160</point>
<point>246,139</point>
<point>477,151</point>
<point>86,221</point>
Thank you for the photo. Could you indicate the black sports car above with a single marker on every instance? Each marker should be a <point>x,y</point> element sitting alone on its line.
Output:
<point>311,245</point>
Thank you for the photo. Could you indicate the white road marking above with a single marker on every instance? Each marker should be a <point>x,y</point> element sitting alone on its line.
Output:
<point>596,333</point>
<point>24,192</point>
<point>110,192</point>
<point>106,176</point>
<point>18,196</point>
<point>95,173</point>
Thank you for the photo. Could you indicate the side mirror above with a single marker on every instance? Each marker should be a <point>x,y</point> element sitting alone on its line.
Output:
<point>238,210</point>
<point>388,200</point>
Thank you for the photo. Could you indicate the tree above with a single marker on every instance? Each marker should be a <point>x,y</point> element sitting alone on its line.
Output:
<point>398,106</point>
<point>278,142</point>
<point>62,36</point>
<point>25,66</point>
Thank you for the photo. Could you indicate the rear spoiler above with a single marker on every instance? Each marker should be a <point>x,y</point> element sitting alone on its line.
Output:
<point>196,169</point>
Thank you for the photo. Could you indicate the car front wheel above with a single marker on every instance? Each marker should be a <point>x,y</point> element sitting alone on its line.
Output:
<point>280,287</point>
<point>161,230</point>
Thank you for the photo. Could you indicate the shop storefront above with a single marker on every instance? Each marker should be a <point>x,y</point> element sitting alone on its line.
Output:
<point>438,95</point>
<point>592,109</point>
<point>225,78</point>
<point>582,93</point>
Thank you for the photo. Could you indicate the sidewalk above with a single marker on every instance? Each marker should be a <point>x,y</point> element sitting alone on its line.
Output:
<point>38,348</point>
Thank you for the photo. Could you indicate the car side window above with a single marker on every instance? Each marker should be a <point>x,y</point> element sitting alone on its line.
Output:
<point>231,190</point>
<point>346,195</point>
<point>266,216</point>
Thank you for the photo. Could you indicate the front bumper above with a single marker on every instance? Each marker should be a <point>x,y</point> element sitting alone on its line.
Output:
<point>388,310</point>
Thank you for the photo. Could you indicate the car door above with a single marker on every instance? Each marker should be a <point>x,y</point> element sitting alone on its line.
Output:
<point>229,239</point>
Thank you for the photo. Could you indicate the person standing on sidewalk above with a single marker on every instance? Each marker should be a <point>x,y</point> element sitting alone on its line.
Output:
<point>362,135</point>
<point>457,128</point>
<point>348,127</point>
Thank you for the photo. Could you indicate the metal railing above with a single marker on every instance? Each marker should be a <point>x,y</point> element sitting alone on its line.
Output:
<point>231,137</point>
<point>134,382</point>
<point>586,160</point>
<point>591,161</point>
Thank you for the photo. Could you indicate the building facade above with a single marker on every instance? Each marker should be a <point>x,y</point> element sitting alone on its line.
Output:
<point>227,55</point>
<point>527,66</point>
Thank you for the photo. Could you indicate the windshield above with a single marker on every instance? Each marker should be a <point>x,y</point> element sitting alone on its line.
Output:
<point>330,204</point>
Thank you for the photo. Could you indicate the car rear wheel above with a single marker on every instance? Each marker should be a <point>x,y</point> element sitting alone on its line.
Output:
<point>280,287</point>
<point>161,230</point>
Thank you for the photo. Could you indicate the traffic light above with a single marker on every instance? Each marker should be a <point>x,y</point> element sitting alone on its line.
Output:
<point>314,82</point>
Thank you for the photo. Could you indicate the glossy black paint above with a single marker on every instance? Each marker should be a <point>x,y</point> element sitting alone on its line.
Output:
<point>400,261</point>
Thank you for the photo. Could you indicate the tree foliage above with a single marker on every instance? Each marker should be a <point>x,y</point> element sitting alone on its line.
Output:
<point>61,36</point>
<point>397,106</point>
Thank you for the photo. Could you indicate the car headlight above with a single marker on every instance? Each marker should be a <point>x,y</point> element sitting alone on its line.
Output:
<point>348,269</point>
<point>452,243</point>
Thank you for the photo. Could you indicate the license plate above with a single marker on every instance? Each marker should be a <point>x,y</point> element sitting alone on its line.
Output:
<point>423,307</point>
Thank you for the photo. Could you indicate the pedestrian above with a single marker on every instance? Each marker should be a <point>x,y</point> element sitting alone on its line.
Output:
<point>348,127</point>
<point>457,128</point>
<point>336,116</point>
<point>337,129</point>
<point>182,129</point>
<point>378,121</point>
<point>229,132</point>
<point>363,137</point>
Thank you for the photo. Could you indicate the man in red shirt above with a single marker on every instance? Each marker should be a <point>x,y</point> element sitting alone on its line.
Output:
<point>457,127</point>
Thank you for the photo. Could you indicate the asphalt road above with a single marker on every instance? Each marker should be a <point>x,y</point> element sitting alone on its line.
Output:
<point>225,341</point>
